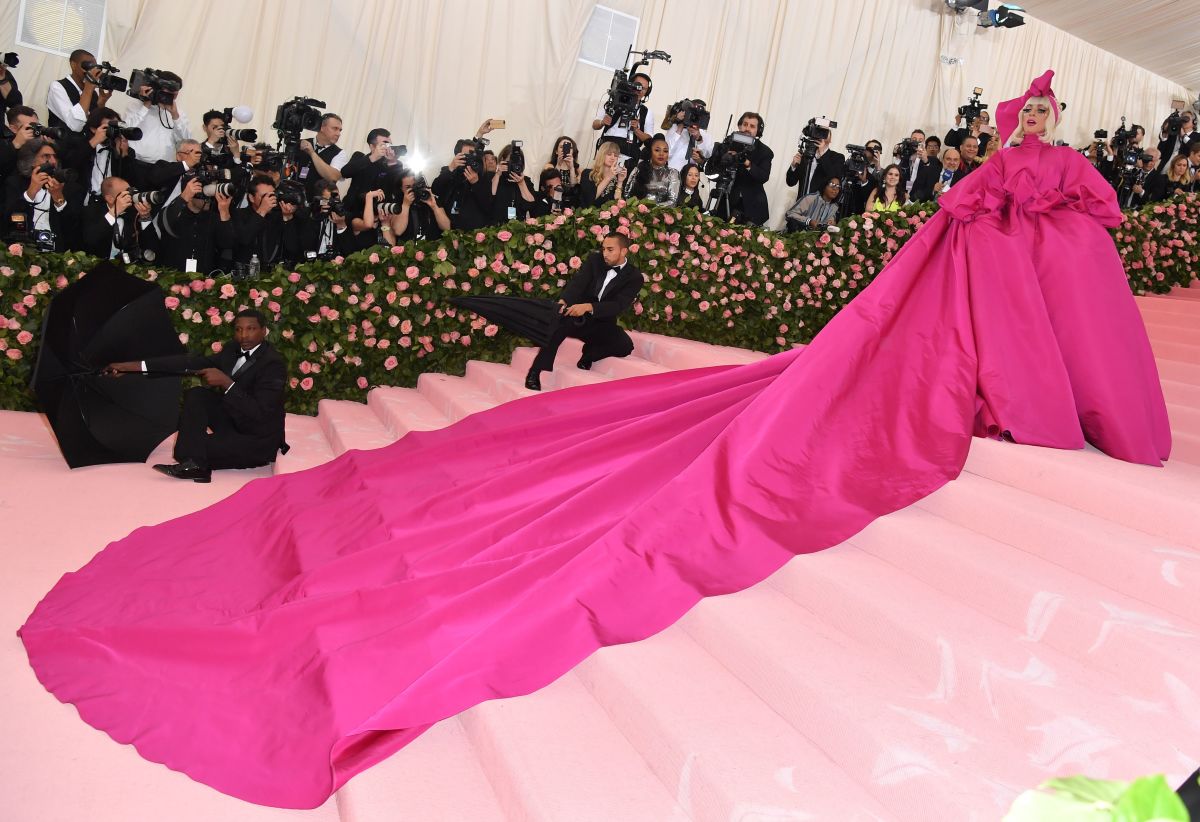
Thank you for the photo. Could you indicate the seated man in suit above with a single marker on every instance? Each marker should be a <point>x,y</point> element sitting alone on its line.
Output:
<point>236,422</point>
<point>605,287</point>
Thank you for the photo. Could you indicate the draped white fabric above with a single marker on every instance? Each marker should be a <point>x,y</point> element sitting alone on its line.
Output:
<point>431,71</point>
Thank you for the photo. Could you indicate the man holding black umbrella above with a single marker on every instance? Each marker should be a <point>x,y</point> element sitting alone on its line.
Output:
<point>604,288</point>
<point>237,421</point>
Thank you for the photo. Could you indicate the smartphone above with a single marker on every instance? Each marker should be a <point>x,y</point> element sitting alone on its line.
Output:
<point>497,123</point>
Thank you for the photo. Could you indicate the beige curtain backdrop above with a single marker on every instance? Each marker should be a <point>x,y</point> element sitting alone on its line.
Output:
<point>432,70</point>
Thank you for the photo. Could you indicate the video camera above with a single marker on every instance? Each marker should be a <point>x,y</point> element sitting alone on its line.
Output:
<point>856,160</point>
<point>624,96</point>
<point>904,150</point>
<point>815,131</point>
<point>297,115</point>
<point>10,59</point>
<point>695,113</point>
<point>106,79</point>
<point>473,159</point>
<point>1125,153</point>
<point>516,158</point>
<point>163,89</point>
<point>973,108</point>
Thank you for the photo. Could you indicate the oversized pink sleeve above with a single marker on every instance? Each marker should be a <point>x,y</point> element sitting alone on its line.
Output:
<point>980,192</point>
<point>1086,191</point>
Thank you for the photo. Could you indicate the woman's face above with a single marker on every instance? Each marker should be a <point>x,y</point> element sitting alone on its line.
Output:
<point>832,189</point>
<point>892,178</point>
<point>693,178</point>
<point>610,159</point>
<point>1179,167</point>
<point>660,153</point>
<point>1034,117</point>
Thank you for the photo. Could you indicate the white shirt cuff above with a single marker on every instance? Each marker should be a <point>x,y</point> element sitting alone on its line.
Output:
<point>108,215</point>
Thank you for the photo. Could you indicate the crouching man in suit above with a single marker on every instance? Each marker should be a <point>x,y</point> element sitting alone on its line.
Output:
<point>235,422</point>
<point>603,289</point>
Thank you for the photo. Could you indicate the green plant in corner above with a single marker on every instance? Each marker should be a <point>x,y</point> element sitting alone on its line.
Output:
<point>1080,799</point>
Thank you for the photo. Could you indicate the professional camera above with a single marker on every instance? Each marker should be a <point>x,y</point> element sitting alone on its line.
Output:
<point>116,129</point>
<point>290,193</point>
<point>268,158</point>
<point>904,150</point>
<point>10,59</point>
<point>56,172</point>
<point>694,113</point>
<point>856,160</point>
<point>162,89</point>
<point>732,153</point>
<point>321,207</point>
<point>389,208</point>
<point>474,159</point>
<point>516,158</point>
<point>42,132</point>
<point>1125,153</point>
<point>107,79</point>
<point>973,108</point>
<point>1173,124</point>
<point>1100,134</point>
<point>623,94</point>
<point>815,131</point>
<point>420,189</point>
<point>297,115</point>
<point>152,197</point>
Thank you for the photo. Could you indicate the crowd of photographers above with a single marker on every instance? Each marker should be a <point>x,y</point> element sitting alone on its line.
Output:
<point>137,185</point>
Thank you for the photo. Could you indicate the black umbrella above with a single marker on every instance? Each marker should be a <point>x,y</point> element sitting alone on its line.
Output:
<point>107,316</point>
<point>528,317</point>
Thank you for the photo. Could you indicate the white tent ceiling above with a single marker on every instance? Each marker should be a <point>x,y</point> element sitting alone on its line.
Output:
<point>1162,36</point>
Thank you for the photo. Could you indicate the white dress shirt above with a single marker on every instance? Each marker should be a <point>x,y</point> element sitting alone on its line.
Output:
<point>42,203</point>
<point>61,106</point>
<point>158,141</point>
<point>608,278</point>
<point>678,140</point>
<point>118,224</point>
<point>626,132</point>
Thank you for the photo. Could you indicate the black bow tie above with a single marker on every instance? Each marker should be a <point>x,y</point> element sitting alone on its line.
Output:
<point>245,354</point>
<point>616,269</point>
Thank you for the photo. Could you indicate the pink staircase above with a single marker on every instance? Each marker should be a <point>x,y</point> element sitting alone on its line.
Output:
<point>1039,616</point>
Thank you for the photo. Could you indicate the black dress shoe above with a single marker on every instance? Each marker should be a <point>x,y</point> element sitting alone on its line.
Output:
<point>533,381</point>
<point>186,470</point>
<point>584,364</point>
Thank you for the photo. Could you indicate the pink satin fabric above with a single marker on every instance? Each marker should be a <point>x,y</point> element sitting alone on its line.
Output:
<point>284,639</point>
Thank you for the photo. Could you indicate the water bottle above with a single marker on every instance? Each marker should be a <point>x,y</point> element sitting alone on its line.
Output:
<point>252,268</point>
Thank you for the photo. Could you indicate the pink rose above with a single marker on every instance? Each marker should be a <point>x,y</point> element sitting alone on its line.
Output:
<point>504,236</point>
<point>172,302</point>
<point>183,338</point>
<point>391,362</point>
<point>216,347</point>
<point>24,337</point>
<point>374,258</point>
<point>480,237</point>
<point>16,250</point>
<point>12,353</point>
<point>396,249</point>
<point>362,382</point>
<point>35,270</point>
<point>306,383</point>
<point>441,254</point>
<point>228,291</point>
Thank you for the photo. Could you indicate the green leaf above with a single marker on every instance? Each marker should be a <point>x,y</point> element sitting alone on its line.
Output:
<point>1150,798</point>
<point>1085,789</point>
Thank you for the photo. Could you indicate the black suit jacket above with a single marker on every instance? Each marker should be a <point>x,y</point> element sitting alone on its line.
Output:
<point>830,164</point>
<point>64,224</point>
<point>1168,148</point>
<point>255,400</point>
<point>928,173</point>
<point>618,297</point>
<point>749,195</point>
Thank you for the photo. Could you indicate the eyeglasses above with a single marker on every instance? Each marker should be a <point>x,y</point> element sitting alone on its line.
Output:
<point>834,185</point>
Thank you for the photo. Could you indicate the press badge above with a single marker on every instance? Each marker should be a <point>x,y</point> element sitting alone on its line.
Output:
<point>512,213</point>
<point>189,265</point>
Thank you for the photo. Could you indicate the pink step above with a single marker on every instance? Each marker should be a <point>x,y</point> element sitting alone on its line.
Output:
<point>1178,371</point>
<point>454,396</point>
<point>1173,333</point>
<point>405,409</point>
<point>624,367</point>
<point>1186,448</point>
<point>679,353</point>
<point>1178,393</point>
<point>309,446</point>
<point>565,373</point>
<point>1168,318</point>
<point>1178,351</point>
<point>1176,303</point>
<point>500,380</point>
<point>1159,501</point>
<point>1184,420</point>
<point>352,425</point>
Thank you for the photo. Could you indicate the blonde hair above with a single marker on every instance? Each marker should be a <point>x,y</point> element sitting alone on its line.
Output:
<point>606,148</point>
<point>1051,122</point>
<point>1186,177</point>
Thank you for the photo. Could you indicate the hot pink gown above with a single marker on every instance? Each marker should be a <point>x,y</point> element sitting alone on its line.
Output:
<point>282,640</point>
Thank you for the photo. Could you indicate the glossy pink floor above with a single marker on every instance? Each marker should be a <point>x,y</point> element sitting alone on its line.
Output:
<point>1038,616</point>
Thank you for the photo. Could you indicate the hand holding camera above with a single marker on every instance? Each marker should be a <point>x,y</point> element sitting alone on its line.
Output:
<point>266,204</point>
<point>121,203</point>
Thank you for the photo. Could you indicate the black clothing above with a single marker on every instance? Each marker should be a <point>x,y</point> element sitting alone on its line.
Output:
<point>601,335</point>
<point>508,196</point>
<point>186,235</point>
<point>631,148</point>
<point>588,196</point>
<point>1159,188</point>
<point>77,153</point>
<point>748,196</point>
<point>307,173</point>
<point>98,236</point>
<point>422,225</point>
<point>246,421</point>
<point>365,176</point>
<point>74,95</point>
<point>12,99</point>
<point>297,237</point>
<point>255,234</point>
<point>1171,146</point>
<point>689,200</point>
<point>543,206</point>
<point>64,224</point>
<point>469,206</point>
<point>955,136</point>
<point>963,170</point>
<point>829,165</point>
<point>928,174</point>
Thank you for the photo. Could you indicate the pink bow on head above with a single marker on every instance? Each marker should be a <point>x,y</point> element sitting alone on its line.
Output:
<point>1008,113</point>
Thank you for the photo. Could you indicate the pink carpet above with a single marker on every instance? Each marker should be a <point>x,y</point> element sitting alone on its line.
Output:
<point>1049,628</point>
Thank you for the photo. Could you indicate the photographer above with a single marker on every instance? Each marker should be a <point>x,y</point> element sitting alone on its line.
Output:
<point>298,231</point>
<point>928,170</point>
<point>115,226</point>
<point>19,121</point>
<point>859,186</point>
<point>257,226</point>
<point>155,110</point>
<point>747,196</point>
<point>333,228</point>
<point>41,199</point>
<point>379,168</point>
<point>815,212</point>
<point>323,158</point>
<point>823,166</point>
<point>512,191</point>
<point>980,128</point>
<point>72,99</point>
<point>687,141</point>
<point>101,150</point>
<point>463,189</point>
<point>654,179</point>
<point>630,138</point>
<point>689,187</point>
<point>10,94</point>
<point>606,180</point>
<point>549,199</point>
<point>218,144</point>
<point>565,160</point>
<point>421,217</point>
<point>193,232</point>
<point>1177,133</point>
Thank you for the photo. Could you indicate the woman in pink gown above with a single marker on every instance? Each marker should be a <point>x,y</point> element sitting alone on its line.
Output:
<point>280,641</point>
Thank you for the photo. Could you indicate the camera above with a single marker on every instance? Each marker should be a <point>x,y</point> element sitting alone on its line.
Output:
<point>42,132</point>
<point>1173,124</point>
<point>388,208</point>
<point>1100,134</point>
<point>973,108</point>
<point>321,206</point>
<point>420,189</point>
<point>152,197</point>
<point>624,96</point>
<point>55,172</point>
<point>268,158</point>
<point>10,59</point>
<point>107,79</point>
<point>43,239</point>
<point>905,149</point>
<point>516,158</point>
<point>290,193</point>
<point>694,113</point>
<point>116,129</point>
<point>817,129</point>
<point>856,160</point>
<point>297,115</point>
<point>163,89</point>
<point>473,159</point>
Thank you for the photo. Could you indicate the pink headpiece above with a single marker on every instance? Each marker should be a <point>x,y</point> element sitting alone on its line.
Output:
<point>1008,113</point>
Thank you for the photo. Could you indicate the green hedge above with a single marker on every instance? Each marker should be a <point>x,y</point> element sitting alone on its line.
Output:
<point>381,317</point>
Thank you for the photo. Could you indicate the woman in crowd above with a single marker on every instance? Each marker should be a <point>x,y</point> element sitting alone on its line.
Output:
<point>1165,186</point>
<point>606,180</point>
<point>512,194</point>
<point>817,210</point>
<point>654,179</point>
<point>890,195</point>
<point>689,187</point>
<point>565,160</point>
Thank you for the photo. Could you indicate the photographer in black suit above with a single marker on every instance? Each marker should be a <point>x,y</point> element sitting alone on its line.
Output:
<point>604,288</point>
<point>464,192</point>
<point>826,165</point>
<point>748,196</point>
<point>928,172</point>
<point>237,421</point>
